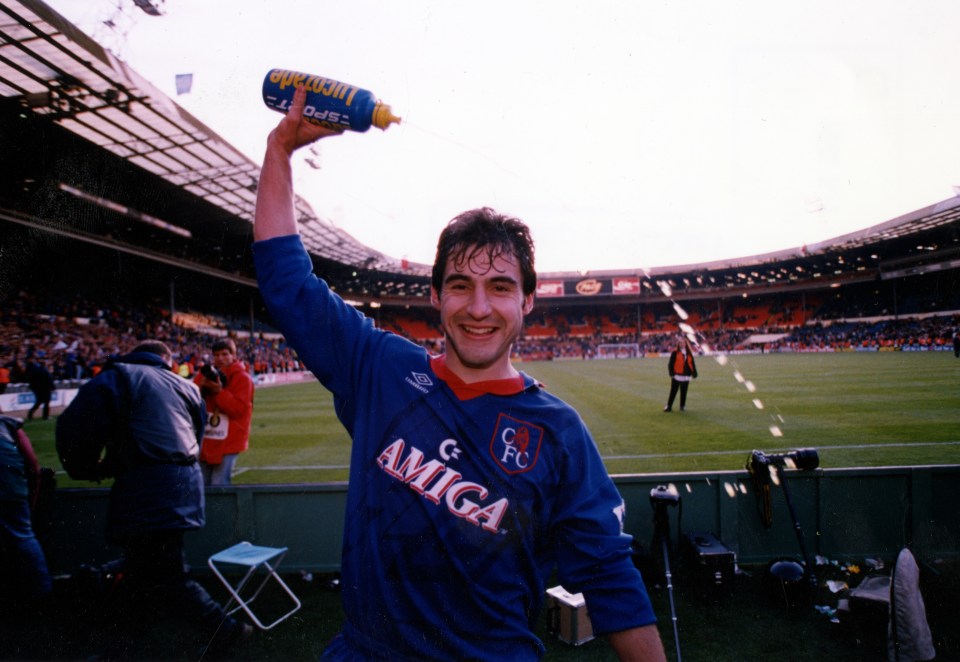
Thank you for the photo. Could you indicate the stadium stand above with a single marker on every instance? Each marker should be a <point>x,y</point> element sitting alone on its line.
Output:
<point>167,253</point>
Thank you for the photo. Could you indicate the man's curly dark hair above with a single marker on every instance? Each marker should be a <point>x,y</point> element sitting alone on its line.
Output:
<point>484,230</point>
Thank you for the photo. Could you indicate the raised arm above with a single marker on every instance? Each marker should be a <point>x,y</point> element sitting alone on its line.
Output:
<point>275,215</point>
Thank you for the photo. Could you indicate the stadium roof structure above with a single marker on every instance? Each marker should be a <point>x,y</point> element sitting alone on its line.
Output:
<point>920,242</point>
<point>76,95</point>
<point>59,73</point>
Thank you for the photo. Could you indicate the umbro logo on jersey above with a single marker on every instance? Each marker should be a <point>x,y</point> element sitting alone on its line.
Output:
<point>419,381</point>
<point>516,444</point>
<point>422,379</point>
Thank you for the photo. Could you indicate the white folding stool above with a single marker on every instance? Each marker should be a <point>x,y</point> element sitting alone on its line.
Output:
<point>253,558</point>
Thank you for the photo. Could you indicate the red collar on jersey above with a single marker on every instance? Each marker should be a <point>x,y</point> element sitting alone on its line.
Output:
<point>464,391</point>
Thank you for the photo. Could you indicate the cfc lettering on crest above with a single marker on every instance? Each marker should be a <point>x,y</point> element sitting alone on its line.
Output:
<point>516,444</point>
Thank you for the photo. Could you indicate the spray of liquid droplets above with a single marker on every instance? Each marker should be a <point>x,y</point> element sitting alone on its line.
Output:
<point>698,341</point>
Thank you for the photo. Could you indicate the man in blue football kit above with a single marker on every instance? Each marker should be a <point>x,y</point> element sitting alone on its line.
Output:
<point>469,483</point>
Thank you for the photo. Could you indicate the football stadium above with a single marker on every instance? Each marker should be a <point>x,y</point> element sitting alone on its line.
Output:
<point>820,439</point>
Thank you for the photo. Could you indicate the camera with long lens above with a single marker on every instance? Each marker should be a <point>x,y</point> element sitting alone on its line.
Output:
<point>213,374</point>
<point>759,465</point>
<point>804,459</point>
<point>666,495</point>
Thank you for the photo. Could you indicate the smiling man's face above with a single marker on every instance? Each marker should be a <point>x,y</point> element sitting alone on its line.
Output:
<point>482,307</point>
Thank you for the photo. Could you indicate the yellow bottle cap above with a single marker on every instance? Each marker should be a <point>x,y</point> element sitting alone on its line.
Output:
<point>383,116</point>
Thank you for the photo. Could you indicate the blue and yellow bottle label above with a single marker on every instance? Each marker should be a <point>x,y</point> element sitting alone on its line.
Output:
<point>330,103</point>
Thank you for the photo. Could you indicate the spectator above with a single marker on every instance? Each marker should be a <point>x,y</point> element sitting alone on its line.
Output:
<point>151,422</point>
<point>469,483</point>
<point>25,566</point>
<point>41,383</point>
<point>682,368</point>
<point>228,394</point>
<point>4,378</point>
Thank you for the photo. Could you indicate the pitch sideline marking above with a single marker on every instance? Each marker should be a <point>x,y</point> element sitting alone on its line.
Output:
<point>819,448</point>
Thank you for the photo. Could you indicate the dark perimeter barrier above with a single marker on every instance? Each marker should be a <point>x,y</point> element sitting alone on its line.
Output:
<point>852,513</point>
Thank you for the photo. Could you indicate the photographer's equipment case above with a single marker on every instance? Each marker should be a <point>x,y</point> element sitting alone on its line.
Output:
<point>567,616</point>
<point>708,564</point>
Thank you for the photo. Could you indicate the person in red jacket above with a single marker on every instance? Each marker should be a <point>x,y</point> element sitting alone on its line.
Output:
<point>682,369</point>
<point>227,390</point>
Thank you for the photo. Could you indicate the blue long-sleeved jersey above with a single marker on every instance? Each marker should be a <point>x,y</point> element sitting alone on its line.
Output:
<point>461,502</point>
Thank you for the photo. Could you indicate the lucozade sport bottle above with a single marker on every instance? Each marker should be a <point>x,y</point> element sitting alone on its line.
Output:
<point>330,103</point>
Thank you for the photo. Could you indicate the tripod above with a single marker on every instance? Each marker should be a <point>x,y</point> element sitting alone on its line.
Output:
<point>809,578</point>
<point>662,497</point>
<point>764,468</point>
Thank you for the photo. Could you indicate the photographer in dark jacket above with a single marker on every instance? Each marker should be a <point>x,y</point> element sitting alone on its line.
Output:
<point>150,422</point>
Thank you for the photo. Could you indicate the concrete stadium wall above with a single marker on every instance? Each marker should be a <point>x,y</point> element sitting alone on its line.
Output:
<point>845,514</point>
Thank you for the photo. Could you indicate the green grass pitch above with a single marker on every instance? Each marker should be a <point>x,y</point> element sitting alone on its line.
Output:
<point>856,409</point>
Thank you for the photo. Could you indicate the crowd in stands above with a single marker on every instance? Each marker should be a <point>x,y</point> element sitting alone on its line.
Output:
<point>909,334</point>
<point>903,334</point>
<point>906,334</point>
<point>73,338</point>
